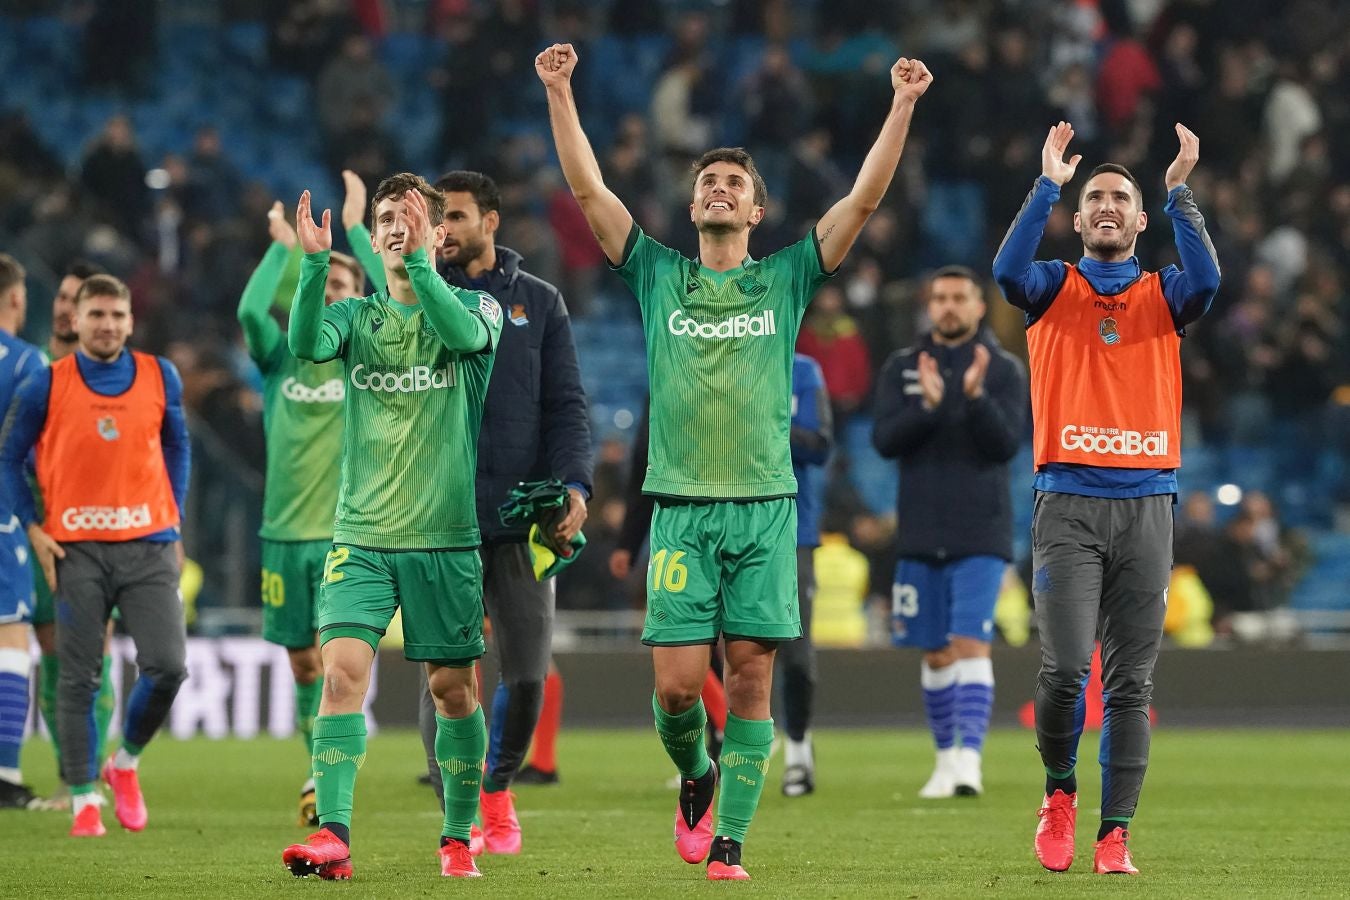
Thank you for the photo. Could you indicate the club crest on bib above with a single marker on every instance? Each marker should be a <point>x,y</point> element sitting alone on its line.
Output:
<point>1107,329</point>
<point>107,428</point>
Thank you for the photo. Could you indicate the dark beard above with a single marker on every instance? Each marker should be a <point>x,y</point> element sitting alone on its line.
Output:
<point>1110,247</point>
<point>957,335</point>
<point>461,256</point>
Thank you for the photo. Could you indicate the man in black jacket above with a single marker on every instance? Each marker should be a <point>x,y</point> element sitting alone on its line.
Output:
<point>535,426</point>
<point>951,410</point>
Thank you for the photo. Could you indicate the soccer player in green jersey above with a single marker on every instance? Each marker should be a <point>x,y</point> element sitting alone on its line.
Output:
<point>720,333</point>
<point>302,418</point>
<point>416,357</point>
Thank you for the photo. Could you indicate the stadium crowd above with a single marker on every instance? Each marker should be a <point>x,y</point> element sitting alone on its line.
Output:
<point>1265,86</point>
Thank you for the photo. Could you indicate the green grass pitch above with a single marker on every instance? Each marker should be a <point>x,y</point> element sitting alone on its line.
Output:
<point>1236,812</point>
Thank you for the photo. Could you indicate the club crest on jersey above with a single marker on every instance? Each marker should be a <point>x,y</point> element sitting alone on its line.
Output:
<point>107,428</point>
<point>750,286</point>
<point>375,324</point>
<point>518,317</point>
<point>1107,329</point>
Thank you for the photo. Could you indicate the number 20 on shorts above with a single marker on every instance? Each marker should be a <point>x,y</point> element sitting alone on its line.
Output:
<point>668,573</point>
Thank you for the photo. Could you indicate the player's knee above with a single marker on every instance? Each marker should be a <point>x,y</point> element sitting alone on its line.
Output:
<point>306,665</point>
<point>345,683</point>
<point>677,698</point>
<point>165,673</point>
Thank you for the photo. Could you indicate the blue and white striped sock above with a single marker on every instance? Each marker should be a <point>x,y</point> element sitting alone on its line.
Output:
<point>15,666</point>
<point>974,699</point>
<point>939,702</point>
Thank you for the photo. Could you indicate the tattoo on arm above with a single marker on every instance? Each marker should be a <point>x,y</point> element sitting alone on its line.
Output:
<point>826,236</point>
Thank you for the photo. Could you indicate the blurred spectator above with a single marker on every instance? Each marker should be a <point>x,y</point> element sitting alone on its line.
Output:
<point>114,176</point>
<point>304,35</point>
<point>1127,74</point>
<point>830,336</point>
<point>353,82</point>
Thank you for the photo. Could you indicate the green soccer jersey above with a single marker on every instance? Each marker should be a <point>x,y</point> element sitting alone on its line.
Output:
<point>416,378</point>
<point>719,360</point>
<point>302,416</point>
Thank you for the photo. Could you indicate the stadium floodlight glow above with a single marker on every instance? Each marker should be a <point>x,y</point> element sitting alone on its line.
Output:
<point>157,179</point>
<point>1228,494</point>
<point>623,419</point>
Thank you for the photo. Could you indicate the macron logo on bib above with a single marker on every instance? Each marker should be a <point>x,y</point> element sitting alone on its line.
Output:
<point>1114,441</point>
<point>105,518</point>
<point>745,325</point>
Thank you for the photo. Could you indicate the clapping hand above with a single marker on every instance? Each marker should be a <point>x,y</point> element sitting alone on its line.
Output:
<point>314,236</point>
<point>1053,165</point>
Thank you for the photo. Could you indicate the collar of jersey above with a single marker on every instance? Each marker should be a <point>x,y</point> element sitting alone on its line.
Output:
<point>722,276</point>
<point>403,309</point>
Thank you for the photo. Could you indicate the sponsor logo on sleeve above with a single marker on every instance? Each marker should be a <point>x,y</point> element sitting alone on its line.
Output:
<point>491,309</point>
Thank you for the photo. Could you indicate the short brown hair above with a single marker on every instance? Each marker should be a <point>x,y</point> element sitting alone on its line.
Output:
<point>1114,169</point>
<point>400,184</point>
<point>351,265</point>
<point>737,156</point>
<point>102,286</point>
<point>12,272</point>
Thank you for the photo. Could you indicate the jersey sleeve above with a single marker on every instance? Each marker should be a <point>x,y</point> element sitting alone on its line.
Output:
<point>645,262</point>
<point>805,269</point>
<point>487,309</point>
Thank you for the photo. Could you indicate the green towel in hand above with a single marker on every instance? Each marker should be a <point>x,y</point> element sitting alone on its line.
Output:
<point>542,503</point>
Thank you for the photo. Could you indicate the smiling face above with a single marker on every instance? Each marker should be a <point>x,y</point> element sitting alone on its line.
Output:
<point>104,323</point>
<point>724,200</point>
<point>391,227</point>
<point>1109,217</point>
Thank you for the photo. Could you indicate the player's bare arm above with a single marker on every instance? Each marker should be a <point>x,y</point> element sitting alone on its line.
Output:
<point>1053,164</point>
<point>47,550</point>
<point>1187,157</point>
<point>608,217</point>
<point>840,227</point>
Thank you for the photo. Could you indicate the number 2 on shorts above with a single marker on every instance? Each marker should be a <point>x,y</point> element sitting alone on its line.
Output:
<point>336,557</point>
<point>670,574</point>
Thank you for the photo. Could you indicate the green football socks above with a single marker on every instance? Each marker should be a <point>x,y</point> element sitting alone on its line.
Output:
<point>682,736</point>
<point>306,708</point>
<point>461,745</point>
<point>744,766</point>
<point>339,751</point>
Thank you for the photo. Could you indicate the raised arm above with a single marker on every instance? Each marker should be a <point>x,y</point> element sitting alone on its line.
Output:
<point>312,335</point>
<point>446,308</point>
<point>1026,283</point>
<point>608,217</point>
<point>840,227</point>
<point>1189,290</point>
<point>354,223</point>
<point>262,334</point>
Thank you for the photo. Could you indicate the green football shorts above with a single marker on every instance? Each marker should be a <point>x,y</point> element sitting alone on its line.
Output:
<point>44,606</point>
<point>291,572</point>
<point>722,568</point>
<point>440,592</point>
